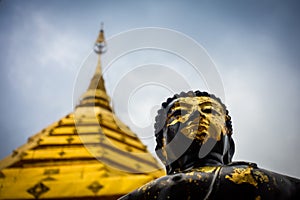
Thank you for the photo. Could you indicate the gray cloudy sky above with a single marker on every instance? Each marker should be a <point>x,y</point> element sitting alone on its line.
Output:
<point>254,45</point>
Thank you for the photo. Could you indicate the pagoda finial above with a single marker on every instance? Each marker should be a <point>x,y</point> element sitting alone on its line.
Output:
<point>100,44</point>
<point>96,88</point>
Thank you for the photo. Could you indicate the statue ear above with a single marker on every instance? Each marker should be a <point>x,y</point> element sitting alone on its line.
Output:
<point>161,155</point>
<point>160,152</point>
<point>160,148</point>
<point>229,149</point>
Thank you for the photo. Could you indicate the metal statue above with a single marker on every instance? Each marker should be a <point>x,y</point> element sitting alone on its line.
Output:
<point>193,133</point>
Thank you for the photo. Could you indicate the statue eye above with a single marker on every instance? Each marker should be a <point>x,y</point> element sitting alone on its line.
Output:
<point>207,110</point>
<point>210,111</point>
<point>179,113</point>
<point>176,113</point>
<point>183,112</point>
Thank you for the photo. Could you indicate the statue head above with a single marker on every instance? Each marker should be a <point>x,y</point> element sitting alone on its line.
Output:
<point>193,128</point>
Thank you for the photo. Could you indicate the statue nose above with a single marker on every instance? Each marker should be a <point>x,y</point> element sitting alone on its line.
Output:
<point>197,114</point>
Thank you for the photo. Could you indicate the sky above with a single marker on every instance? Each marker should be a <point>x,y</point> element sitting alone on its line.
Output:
<point>254,46</point>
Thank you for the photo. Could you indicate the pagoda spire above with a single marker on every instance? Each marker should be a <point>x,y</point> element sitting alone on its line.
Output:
<point>96,93</point>
<point>97,82</point>
<point>100,44</point>
<point>100,48</point>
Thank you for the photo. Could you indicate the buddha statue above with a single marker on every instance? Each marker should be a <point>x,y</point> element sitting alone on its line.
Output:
<point>193,132</point>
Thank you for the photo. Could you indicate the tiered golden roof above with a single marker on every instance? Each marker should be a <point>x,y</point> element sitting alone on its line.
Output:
<point>88,154</point>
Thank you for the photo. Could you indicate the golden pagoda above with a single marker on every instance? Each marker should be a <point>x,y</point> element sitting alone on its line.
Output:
<point>88,154</point>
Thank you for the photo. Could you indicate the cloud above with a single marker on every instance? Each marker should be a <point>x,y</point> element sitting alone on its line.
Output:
<point>57,47</point>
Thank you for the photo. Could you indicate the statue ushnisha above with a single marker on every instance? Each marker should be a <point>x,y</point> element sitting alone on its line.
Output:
<point>193,134</point>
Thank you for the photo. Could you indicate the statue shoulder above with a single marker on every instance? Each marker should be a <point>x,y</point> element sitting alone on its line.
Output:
<point>244,178</point>
<point>195,183</point>
<point>239,180</point>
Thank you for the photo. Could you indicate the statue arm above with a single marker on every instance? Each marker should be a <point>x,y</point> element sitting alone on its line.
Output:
<point>284,186</point>
<point>144,192</point>
<point>179,186</point>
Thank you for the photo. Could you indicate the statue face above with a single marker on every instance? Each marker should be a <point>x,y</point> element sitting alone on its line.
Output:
<point>198,118</point>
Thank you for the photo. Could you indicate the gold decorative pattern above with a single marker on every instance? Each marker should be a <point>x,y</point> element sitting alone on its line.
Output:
<point>95,187</point>
<point>49,178</point>
<point>38,189</point>
<point>51,171</point>
<point>70,139</point>
<point>62,153</point>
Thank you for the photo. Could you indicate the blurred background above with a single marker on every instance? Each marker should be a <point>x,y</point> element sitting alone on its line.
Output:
<point>254,45</point>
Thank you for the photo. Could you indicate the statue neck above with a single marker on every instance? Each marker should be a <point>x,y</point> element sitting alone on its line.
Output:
<point>187,162</point>
<point>193,158</point>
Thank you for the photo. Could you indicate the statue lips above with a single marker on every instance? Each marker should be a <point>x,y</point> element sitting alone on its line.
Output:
<point>198,131</point>
<point>201,131</point>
